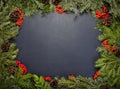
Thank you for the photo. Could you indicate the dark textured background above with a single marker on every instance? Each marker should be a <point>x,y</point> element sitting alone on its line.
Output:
<point>59,45</point>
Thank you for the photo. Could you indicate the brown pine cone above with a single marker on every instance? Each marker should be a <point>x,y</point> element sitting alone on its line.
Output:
<point>11,69</point>
<point>56,2</point>
<point>54,83</point>
<point>104,87</point>
<point>5,47</point>
<point>107,21</point>
<point>14,16</point>
<point>117,53</point>
<point>46,2</point>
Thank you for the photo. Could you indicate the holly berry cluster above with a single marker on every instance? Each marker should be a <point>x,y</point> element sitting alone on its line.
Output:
<point>104,15</point>
<point>59,9</point>
<point>97,73</point>
<point>22,67</point>
<point>111,48</point>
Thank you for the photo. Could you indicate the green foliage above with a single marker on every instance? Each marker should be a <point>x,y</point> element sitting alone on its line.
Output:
<point>108,62</point>
<point>40,82</point>
<point>15,81</point>
<point>8,29</point>
<point>115,8</point>
<point>112,32</point>
<point>110,68</point>
<point>11,54</point>
<point>30,7</point>
<point>81,6</point>
<point>80,82</point>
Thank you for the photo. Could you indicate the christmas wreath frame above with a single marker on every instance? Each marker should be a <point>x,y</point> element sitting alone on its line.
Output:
<point>13,74</point>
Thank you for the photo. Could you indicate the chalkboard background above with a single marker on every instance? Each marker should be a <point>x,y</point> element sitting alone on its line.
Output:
<point>58,44</point>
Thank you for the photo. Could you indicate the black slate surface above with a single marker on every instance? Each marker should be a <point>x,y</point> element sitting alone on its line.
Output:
<point>58,44</point>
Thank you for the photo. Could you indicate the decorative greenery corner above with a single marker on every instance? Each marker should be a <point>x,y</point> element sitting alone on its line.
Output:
<point>13,74</point>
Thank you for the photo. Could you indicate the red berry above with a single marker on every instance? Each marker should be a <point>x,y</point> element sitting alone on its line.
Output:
<point>47,78</point>
<point>105,42</point>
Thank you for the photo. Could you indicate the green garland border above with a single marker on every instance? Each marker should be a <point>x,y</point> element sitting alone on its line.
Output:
<point>109,61</point>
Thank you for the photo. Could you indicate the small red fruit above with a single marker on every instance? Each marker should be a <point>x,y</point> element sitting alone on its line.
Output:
<point>47,78</point>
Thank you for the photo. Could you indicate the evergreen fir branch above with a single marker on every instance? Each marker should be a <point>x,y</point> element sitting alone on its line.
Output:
<point>11,54</point>
<point>81,83</point>
<point>109,67</point>
<point>40,83</point>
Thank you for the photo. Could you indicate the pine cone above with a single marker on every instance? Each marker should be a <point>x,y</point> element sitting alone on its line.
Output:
<point>56,2</point>
<point>54,83</point>
<point>104,87</point>
<point>117,53</point>
<point>14,16</point>
<point>5,47</point>
<point>46,2</point>
<point>11,69</point>
<point>107,21</point>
